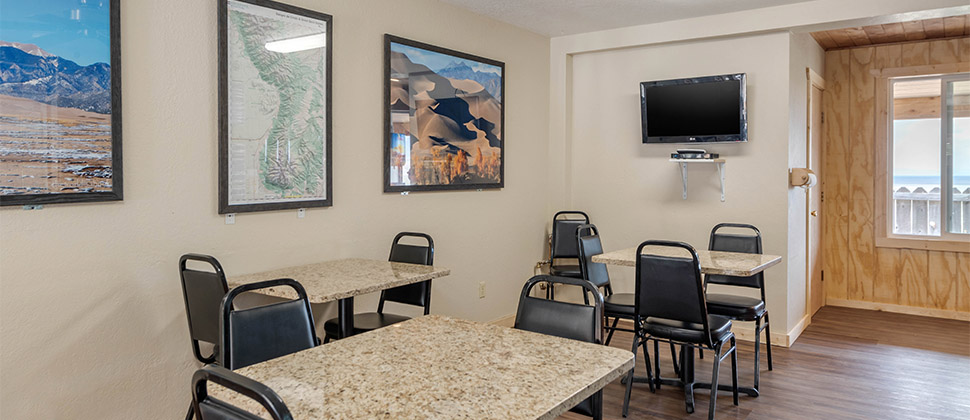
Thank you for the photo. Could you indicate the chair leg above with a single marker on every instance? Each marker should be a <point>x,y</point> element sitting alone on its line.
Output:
<point>612,330</point>
<point>768,338</point>
<point>656,361</point>
<point>700,353</point>
<point>629,377</point>
<point>757,353</point>
<point>646,362</point>
<point>326,338</point>
<point>191,413</point>
<point>586,297</point>
<point>717,364</point>
<point>734,369</point>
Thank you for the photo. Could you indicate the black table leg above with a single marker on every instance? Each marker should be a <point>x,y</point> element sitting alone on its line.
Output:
<point>597,405</point>
<point>345,317</point>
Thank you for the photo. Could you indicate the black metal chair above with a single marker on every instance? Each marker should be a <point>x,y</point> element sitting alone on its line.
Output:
<point>265,332</point>
<point>210,408</point>
<point>562,246</point>
<point>417,294</point>
<point>741,308</point>
<point>566,320</point>
<point>615,305</point>
<point>671,306</point>
<point>202,292</point>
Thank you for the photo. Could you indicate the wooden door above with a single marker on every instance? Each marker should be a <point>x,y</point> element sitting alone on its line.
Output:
<point>816,293</point>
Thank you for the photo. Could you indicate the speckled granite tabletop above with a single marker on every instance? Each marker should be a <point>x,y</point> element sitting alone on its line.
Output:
<point>338,279</point>
<point>712,262</point>
<point>436,367</point>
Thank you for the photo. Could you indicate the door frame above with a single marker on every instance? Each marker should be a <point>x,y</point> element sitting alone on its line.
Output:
<point>813,80</point>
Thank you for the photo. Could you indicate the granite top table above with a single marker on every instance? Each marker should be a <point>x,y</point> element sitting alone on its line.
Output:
<point>435,367</point>
<point>341,280</point>
<point>712,262</point>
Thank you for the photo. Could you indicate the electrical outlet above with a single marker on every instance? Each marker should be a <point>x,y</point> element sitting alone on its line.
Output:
<point>481,290</point>
<point>301,213</point>
<point>231,219</point>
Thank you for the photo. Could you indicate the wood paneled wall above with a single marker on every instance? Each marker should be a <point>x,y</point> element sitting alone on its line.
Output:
<point>857,272</point>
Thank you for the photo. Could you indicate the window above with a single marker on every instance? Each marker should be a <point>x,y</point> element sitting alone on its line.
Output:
<point>929,151</point>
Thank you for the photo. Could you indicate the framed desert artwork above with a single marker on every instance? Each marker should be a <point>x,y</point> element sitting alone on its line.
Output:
<point>274,107</point>
<point>60,102</point>
<point>443,118</point>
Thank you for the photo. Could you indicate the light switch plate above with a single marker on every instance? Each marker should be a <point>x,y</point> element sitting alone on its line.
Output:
<point>231,219</point>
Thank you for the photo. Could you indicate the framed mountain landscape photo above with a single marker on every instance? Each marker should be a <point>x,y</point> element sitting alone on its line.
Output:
<point>60,102</point>
<point>444,118</point>
<point>274,107</point>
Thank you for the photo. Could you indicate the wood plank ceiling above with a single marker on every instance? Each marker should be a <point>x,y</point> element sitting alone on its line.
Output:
<point>948,27</point>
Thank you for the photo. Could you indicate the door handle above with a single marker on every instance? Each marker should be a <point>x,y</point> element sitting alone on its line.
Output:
<point>814,213</point>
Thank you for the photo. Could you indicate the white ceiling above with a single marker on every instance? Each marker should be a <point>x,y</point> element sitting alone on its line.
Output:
<point>567,17</point>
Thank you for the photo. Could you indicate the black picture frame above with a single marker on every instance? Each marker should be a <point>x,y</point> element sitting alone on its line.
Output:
<point>389,187</point>
<point>117,185</point>
<point>224,107</point>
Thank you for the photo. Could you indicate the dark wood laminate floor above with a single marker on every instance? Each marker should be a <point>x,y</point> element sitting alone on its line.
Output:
<point>848,364</point>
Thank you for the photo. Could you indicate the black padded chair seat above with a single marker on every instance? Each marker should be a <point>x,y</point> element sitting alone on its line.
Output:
<point>566,271</point>
<point>734,306</point>
<point>364,322</point>
<point>620,304</point>
<point>689,333</point>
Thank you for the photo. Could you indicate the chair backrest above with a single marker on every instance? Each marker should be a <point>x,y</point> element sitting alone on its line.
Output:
<point>558,318</point>
<point>564,234</point>
<point>417,294</point>
<point>671,287</point>
<point>208,408</point>
<point>203,292</point>
<point>732,242</point>
<point>588,242</point>
<point>265,332</point>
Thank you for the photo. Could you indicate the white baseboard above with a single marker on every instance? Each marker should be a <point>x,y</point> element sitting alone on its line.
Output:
<point>798,329</point>
<point>505,321</point>
<point>745,331</point>
<point>900,309</point>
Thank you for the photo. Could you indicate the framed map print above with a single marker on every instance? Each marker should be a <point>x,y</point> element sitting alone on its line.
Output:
<point>274,107</point>
<point>60,102</point>
<point>444,119</point>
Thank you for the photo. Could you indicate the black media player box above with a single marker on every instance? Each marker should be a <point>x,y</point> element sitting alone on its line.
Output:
<point>694,155</point>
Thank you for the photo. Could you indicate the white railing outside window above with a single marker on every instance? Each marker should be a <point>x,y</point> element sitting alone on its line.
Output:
<point>917,212</point>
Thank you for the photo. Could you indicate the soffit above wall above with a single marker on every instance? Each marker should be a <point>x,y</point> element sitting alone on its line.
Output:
<point>947,27</point>
<point>567,17</point>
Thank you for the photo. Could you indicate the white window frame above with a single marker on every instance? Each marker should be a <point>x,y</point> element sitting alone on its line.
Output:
<point>946,158</point>
<point>947,241</point>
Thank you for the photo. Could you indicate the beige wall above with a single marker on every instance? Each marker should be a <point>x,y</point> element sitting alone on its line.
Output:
<point>633,193</point>
<point>804,53</point>
<point>92,316</point>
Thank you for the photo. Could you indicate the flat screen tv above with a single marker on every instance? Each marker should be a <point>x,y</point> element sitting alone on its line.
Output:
<point>696,110</point>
